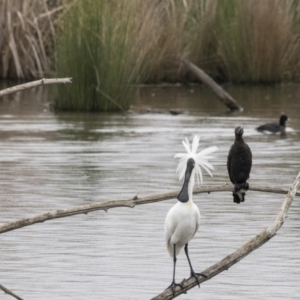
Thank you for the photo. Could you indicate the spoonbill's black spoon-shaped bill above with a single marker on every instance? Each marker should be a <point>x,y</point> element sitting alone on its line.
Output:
<point>274,127</point>
<point>183,219</point>
<point>239,162</point>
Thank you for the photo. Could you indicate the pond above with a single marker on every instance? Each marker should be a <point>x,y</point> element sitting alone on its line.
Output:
<point>55,161</point>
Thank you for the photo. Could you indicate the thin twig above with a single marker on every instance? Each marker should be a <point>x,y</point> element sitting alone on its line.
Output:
<point>84,209</point>
<point>32,84</point>
<point>7,291</point>
<point>240,253</point>
<point>48,13</point>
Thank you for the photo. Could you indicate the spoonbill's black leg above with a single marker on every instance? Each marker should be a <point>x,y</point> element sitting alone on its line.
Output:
<point>192,271</point>
<point>174,284</point>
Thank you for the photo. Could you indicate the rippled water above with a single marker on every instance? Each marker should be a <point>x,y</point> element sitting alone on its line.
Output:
<point>53,161</point>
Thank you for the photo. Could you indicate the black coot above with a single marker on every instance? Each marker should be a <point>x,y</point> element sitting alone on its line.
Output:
<point>239,164</point>
<point>274,127</point>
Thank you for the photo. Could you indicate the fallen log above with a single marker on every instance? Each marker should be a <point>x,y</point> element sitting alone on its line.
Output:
<point>223,96</point>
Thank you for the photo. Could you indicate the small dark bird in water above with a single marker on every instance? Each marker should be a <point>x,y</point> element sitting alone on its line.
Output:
<point>239,162</point>
<point>274,127</point>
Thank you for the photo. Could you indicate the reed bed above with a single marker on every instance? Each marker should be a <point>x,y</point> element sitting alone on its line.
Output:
<point>96,48</point>
<point>257,40</point>
<point>169,30</point>
<point>109,46</point>
<point>27,38</point>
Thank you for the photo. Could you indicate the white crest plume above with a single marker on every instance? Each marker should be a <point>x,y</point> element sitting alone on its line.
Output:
<point>201,159</point>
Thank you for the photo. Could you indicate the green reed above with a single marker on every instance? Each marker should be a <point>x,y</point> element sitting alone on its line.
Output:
<point>96,49</point>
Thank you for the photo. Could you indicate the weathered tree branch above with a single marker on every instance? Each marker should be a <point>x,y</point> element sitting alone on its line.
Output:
<point>84,209</point>
<point>223,96</point>
<point>29,85</point>
<point>227,262</point>
<point>240,253</point>
<point>7,291</point>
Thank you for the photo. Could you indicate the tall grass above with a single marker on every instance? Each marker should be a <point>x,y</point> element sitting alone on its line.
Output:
<point>199,33</point>
<point>170,30</point>
<point>27,38</point>
<point>108,46</point>
<point>256,39</point>
<point>96,49</point>
<point>160,27</point>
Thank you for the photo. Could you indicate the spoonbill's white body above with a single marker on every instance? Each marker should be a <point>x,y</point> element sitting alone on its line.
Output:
<point>182,222</point>
<point>183,219</point>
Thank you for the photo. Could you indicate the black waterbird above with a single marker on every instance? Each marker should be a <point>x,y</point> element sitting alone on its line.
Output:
<point>239,162</point>
<point>274,127</point>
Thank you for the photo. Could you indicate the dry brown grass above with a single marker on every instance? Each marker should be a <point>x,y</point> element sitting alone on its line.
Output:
<point>239,40</point>
<point>159,31</point>
<point>27,38</point>
<point>199,37</point>
<point>247,40</point>
<point>168,30</point>
<point>258,42</point>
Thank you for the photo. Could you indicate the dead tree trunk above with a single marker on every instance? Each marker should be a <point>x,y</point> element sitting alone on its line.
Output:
<point>224,97</point>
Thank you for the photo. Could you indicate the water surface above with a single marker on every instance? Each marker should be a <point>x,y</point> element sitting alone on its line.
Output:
<point>55,161</point>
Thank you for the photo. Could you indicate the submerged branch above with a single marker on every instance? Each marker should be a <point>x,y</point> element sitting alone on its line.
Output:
<point>240,253</point>
<point>84,209</point>
<point>223,96</point>
<point>8,292</point>
<point>32,84</point>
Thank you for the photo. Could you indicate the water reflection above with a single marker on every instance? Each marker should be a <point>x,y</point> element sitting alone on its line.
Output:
<point>53,161</point>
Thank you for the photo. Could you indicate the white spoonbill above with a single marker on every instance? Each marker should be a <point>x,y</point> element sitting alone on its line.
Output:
<point>183,219</point>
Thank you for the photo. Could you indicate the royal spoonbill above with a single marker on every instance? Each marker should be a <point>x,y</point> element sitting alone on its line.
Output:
<point>239,162</point>
<point>274,127</point>
<point>183,219</point>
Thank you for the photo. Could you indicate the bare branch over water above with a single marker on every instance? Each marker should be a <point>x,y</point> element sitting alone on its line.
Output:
<point>8,292</point>
<point>240,253</point>
<point>32,84</point>
<point>84,209</point>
